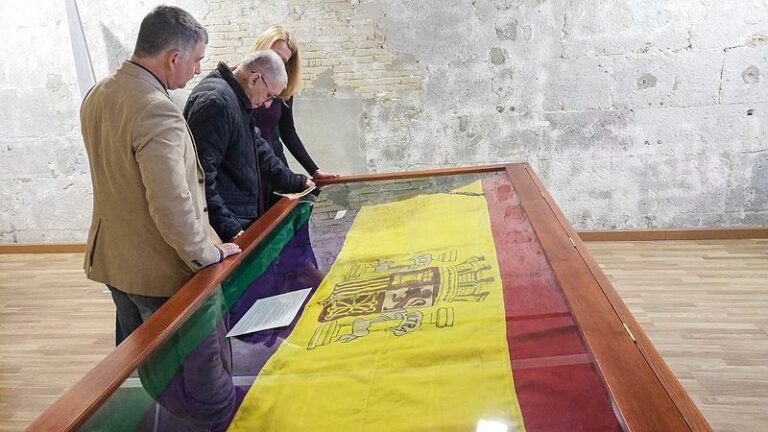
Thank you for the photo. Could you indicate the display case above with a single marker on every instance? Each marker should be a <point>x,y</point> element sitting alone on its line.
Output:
<point>446,300</point>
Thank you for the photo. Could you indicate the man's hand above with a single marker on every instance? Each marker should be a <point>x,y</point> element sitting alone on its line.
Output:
<point>308,184</point>
<point>322,175</point>
<point>228,249</point>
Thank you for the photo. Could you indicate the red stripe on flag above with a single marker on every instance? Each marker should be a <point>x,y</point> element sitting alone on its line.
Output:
<point>556,383</point>
<point>562,360</point>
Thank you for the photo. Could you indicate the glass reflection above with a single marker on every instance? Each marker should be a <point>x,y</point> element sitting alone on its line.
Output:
<point>199,379</point>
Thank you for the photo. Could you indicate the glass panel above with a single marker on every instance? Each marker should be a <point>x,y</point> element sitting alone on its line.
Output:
<point>185,385</point>
<point>432,307</point>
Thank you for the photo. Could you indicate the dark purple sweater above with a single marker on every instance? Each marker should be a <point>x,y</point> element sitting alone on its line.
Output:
<point>276,126</point>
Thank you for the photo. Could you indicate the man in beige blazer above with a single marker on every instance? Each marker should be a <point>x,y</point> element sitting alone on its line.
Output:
<point>150,230</point>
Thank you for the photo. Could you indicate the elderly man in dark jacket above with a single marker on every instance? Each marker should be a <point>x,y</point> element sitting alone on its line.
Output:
<point>234,156</point>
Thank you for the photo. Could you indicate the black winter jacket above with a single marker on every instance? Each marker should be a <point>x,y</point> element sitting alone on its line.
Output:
<point>234,156</point>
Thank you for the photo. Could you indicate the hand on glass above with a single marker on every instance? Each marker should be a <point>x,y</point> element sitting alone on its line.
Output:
<point>322,175</point>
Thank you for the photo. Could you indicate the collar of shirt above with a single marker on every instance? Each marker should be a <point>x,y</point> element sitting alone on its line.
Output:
<point>226,73</point>
<point>150,72</point>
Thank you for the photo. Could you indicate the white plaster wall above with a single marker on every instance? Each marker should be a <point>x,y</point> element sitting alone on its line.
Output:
<point>44,184</point>
<point>637,114</point>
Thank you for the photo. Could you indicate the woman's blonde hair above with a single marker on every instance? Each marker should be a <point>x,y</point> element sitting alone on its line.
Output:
<point>293,66</point>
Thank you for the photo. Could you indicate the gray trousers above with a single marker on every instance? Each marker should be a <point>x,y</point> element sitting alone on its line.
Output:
<point>132,310</point>
<point>201,393</point>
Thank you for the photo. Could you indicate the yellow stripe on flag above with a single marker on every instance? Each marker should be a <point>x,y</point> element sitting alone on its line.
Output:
<point>405,333</point>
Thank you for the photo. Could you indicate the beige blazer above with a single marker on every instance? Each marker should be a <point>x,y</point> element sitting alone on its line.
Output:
<point>150,230</point>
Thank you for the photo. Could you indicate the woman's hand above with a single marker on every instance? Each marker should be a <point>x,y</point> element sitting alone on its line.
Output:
<point>322,175</point>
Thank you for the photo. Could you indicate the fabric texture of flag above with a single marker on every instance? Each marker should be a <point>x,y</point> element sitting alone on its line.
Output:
<point>406,332</point>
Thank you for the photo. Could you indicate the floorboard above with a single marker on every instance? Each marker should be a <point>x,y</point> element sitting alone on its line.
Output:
<point>704,304</point>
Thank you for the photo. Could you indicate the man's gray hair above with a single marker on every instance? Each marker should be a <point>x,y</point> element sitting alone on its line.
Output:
<point>267,63</point>
<point>168,27</point>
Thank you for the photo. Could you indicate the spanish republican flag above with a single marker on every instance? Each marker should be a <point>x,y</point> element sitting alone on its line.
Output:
<point>439,313</point>
<point>407,332</point>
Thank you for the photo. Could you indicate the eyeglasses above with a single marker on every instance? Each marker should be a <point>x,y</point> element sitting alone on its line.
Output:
<point>270,96</point>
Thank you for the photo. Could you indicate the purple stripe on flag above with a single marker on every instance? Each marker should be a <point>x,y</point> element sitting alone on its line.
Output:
<point>328,236</point>
<point>294,269</point>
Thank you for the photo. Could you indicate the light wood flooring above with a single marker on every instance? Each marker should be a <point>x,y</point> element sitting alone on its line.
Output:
<point>55,325</point>
<point>704,304</point>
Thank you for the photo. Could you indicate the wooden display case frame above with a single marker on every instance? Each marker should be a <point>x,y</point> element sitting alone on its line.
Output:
<point>646,395</point>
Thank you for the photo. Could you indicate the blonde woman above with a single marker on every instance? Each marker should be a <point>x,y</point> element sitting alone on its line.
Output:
<point>276,122</point>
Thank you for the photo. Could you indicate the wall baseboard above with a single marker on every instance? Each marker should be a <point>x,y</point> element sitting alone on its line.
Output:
<point>41,248</point>
<point>586,236</point>
<point>676,234</point>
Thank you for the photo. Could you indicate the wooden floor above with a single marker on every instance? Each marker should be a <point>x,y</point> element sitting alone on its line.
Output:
<point>54,326</point>
<point>704,304</point>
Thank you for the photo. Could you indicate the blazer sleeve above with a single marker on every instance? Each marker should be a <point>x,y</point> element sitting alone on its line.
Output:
<point>209,122</point>
<point>291,139</point>
<point>159,152</point>
<point>283,179</point>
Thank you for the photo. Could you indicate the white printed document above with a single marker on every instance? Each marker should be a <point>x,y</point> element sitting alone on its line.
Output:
<point>270,312</point>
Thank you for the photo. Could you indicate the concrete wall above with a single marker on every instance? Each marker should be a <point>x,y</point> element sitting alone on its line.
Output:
<point>636,114</point>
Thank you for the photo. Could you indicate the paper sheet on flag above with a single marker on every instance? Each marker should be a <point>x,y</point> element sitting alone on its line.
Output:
<point>270,312</point>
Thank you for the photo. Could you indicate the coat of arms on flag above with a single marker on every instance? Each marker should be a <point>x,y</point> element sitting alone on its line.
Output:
<point>399,297</point>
